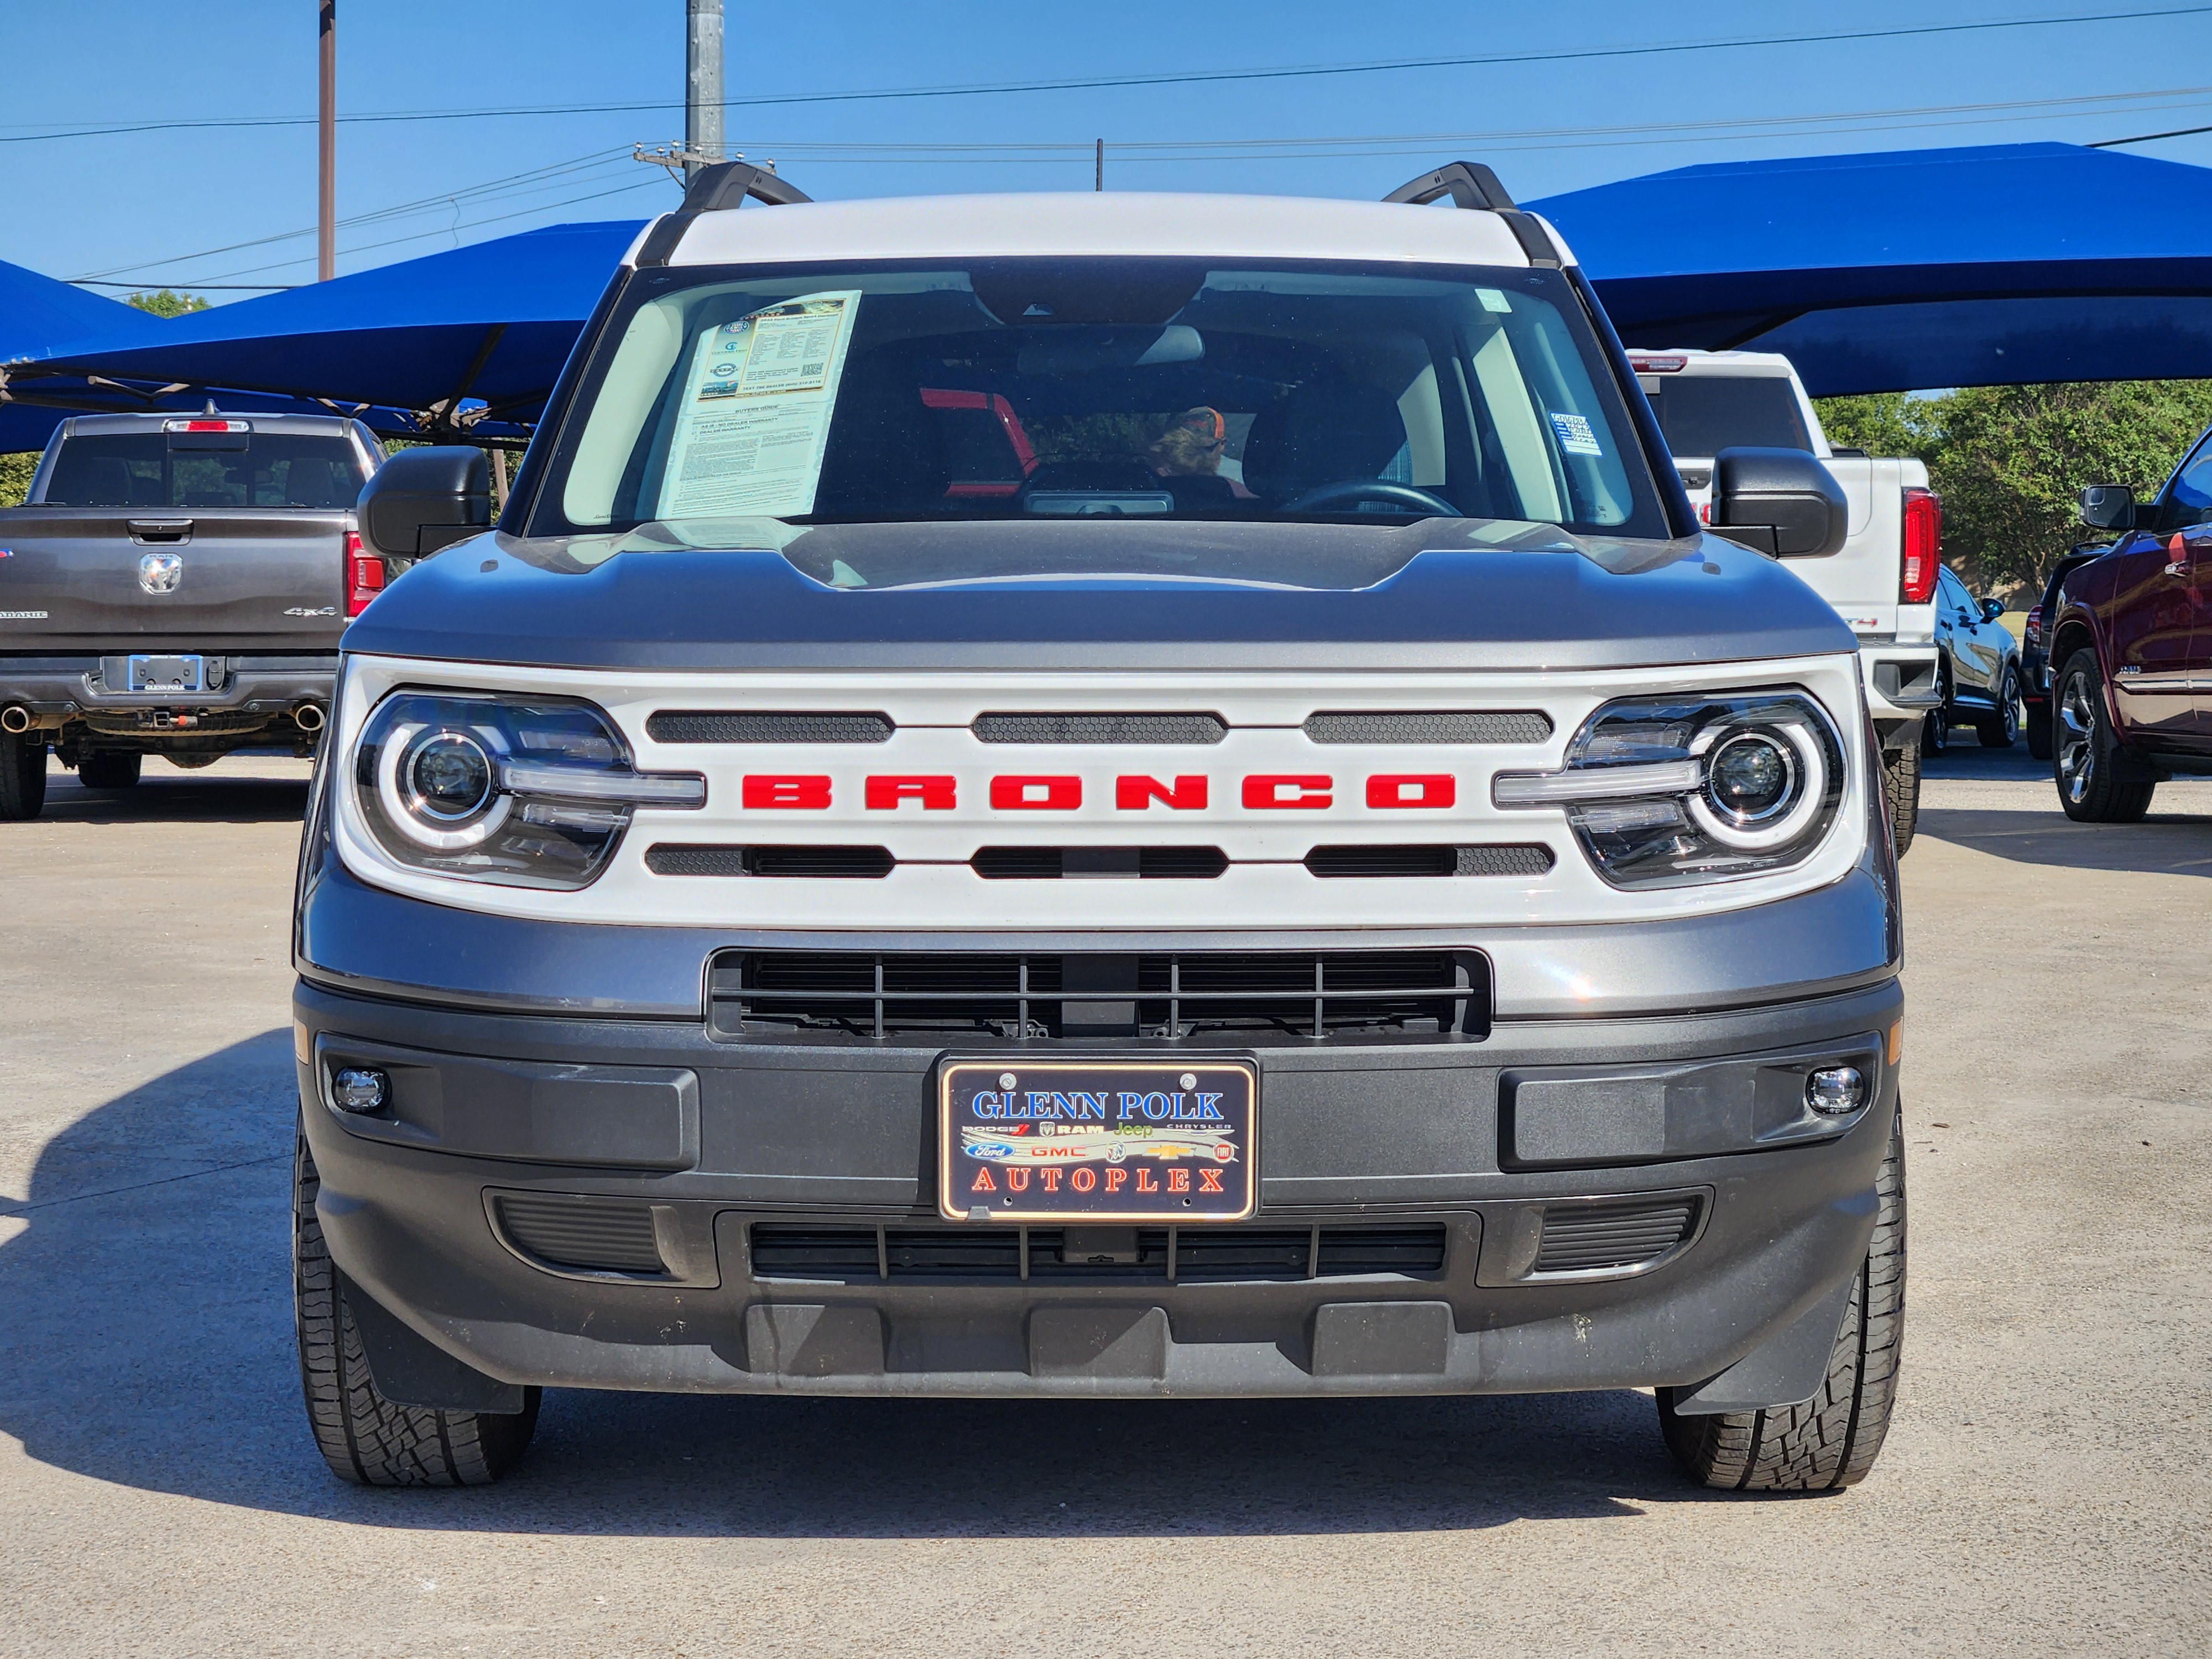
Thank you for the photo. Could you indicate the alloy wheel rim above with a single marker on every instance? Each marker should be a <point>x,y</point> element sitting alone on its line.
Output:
<point>2076,746</point>
<point>2010,702</point>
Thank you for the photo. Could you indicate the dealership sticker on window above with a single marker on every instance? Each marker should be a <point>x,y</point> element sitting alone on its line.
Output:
<point>1493,299</point>
<point>749,438</point>
<point>1574,434</point>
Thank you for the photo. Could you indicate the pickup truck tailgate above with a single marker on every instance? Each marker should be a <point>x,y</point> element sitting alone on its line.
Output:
<point>233,578</point>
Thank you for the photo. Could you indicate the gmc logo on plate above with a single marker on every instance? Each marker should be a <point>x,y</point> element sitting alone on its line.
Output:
<point>1037,792</point>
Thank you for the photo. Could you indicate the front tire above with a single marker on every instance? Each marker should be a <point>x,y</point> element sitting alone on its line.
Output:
<point>2000,728</point>
<point>1900,782</point>
<point>1935,734</point>
<point>363,1436</point>
<point>2085,749</point>
<point>1832,1440</point>
<point>22,776</point>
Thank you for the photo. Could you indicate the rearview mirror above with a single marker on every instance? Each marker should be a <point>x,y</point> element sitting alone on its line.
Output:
<point>421,500</point>
<point>1782,503</point>
<point>2108,507</point>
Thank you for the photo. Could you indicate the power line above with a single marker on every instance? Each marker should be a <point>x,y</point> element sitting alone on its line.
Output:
<point>1191,77</point>
<point>2145,138</point>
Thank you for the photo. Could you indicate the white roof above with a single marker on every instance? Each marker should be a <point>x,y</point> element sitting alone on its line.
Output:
<point>1133,224</point>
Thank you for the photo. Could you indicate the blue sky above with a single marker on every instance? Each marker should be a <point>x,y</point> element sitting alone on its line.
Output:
<point>132,205</point>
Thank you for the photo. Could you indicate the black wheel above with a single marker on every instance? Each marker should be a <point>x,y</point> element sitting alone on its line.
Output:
<point>1936,736</point>
<point>2084,749</point>
<point>22,775</point>
<point>1833,1439</point>
<point>2000,728</point>
<point>110,769</point>
<point>1900,782</point>
<point>2036,723</point>
<point>363,1436</point>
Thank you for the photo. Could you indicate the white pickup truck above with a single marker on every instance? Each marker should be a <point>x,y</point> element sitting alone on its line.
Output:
<point>1883,581</point>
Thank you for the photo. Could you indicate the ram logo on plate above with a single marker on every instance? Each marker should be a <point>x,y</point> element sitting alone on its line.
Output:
<point>1097,1139</point>
<point>159,572</point>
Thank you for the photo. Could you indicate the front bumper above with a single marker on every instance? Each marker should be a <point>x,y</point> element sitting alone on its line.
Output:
<point>1475,1145</point>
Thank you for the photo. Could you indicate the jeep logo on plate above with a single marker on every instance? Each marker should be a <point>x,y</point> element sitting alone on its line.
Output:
<point>159,572</point>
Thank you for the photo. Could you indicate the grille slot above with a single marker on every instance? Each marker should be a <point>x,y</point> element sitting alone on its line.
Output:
<point>716,726</point>
<point>1062,863</point>
<point>1100,728</point>
<point>1211,1255</point>
<point>1432,725</point>
<point>855,863</point>
<point>1597,1237</point>
<point>853,995</point>
<point>587,1234</point>
<point>1357,862</point>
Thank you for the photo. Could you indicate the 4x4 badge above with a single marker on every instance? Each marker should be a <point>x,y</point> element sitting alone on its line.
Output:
<point>159,572</point>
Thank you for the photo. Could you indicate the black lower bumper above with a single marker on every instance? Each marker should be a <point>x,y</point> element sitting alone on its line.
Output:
<point>1572,1204</point>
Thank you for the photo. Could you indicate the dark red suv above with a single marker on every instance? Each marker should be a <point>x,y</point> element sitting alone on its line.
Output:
<point>2131,648</point>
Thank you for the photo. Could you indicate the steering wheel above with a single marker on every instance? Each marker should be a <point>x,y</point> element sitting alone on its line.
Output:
<point>1346,491</point>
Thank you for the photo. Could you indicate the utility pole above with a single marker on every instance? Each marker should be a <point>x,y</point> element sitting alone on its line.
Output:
<point>702,93</point>
<point>1098,178</point>
<point>326,221</point>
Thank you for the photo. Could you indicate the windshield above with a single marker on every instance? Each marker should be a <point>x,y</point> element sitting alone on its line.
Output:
<point>147,469</point>
<point>1703,414</point>
<point>1097,388</point>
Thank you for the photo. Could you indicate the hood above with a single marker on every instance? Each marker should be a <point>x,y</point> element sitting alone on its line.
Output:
<point>1099,595</point>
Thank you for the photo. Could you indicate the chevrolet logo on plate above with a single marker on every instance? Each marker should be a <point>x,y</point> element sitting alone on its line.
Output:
<point>159,572</point>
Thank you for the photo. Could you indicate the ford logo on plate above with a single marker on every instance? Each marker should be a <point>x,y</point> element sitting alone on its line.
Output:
<point>159,572</point>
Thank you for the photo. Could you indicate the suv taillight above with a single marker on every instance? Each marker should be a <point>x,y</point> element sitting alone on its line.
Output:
<point>2032,631</point>
<point>1923,546</point>
<point>364,575</point>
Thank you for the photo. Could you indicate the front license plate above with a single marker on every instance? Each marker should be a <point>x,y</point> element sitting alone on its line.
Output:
<point>1097,1139</point>
<point>168,674</point>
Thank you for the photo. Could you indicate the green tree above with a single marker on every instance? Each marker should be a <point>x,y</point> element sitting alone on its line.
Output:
<point>168,302</point>
<point>16,473</point>
<point>2009,461</point>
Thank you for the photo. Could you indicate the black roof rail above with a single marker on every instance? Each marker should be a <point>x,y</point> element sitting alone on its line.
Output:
<point>724,184</point>
<point>1471,185</point>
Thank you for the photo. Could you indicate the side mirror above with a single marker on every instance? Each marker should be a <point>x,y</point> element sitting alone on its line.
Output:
<point>1782,503</point>
<point>2108,507</point>
<point>1991,610</point>
<point>421,500</point>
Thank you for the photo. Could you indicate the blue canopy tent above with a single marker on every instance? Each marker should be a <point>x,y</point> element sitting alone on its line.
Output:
<point>36,311</point>
<point>1995,265</point>
<point>467,341</point>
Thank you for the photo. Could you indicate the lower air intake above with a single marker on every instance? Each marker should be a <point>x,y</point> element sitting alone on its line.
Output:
<point>1215,1255</point>
<point>1580,1238</point>
<point>584,1235</point>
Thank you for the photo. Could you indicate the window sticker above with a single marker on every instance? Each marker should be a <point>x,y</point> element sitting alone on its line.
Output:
<point>1493,299</point>
<point>1574,434</point>
<point>750,436</point>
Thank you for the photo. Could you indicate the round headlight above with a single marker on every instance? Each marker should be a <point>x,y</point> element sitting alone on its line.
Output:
<point>448,776</point>
<point>1750,777</point>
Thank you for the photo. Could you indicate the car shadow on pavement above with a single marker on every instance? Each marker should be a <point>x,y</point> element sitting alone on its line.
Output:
<point>145,1293</point>
<point>178,798</point>
<point>2177,843</point>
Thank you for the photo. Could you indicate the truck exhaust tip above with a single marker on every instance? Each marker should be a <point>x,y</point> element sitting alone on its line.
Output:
<point>15,719</point>
<point>307,716</point>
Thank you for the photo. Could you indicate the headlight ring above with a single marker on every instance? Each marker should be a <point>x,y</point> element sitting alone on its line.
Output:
<point>1788,749</point>
<point>441,810</point>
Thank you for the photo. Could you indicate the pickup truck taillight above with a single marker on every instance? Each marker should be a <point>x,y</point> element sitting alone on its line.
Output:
<point>1923,546</point>
<point>364,575</point>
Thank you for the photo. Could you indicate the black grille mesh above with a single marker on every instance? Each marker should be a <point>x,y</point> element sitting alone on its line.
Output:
<point>1432,725</point>
<point>1058,863</point>
<point>716,726</point>
<point>1590,1237</point>
<point>1099,728</point>
<point>594,1235</point>
<point>690,859</point>
<point>782,1250</point>
<point>1355,861</point>
<point>853,995</point>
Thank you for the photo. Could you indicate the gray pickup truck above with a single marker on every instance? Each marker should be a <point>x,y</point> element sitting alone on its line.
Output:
<point>176,586</point>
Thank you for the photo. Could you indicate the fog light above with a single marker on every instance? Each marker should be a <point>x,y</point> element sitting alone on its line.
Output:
<point>361,1089</point>
<point>1836,1091</point>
